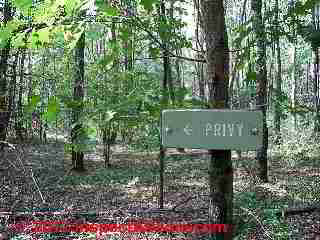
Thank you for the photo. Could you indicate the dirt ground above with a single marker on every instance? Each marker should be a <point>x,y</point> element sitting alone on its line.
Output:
<point>37,177</point>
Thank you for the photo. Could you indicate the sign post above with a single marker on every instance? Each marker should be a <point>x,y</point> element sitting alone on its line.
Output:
<point>222,129</point>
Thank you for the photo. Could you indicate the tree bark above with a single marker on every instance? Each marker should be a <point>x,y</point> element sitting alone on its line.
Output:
<point>217,56</point>
<point>277,112</point>
<point>316,89</point>
<point>20,128</point>
<point>261,70</point>
<point>168,87</point>
<point>78,94</point>
<point>4,54</point>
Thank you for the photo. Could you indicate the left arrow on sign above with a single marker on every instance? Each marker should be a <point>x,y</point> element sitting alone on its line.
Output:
<point>187,129</point>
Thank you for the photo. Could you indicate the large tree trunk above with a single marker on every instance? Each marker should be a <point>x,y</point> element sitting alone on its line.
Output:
<point>261,70</point>
<point>78,94</point>
<point>217,56</point>
<point>4,54</point>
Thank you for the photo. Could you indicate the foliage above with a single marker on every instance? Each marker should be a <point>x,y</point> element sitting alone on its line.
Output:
<point>297,146</point>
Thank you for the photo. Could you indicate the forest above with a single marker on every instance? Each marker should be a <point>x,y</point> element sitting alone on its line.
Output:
<point>86,86</point>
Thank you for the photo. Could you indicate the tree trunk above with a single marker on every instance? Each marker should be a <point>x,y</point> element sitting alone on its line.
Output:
<point>168,87</point>
<point>316,90</point>
<point>277,113</point>
<point>20,128</point>
<point>261,70</point>
<point>199,45</point>
<point>294,85</point>
<point>4,54</point>
<point>217,56</point>
<point>78,94</point>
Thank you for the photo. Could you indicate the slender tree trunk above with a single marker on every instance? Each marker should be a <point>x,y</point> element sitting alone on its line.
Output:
<point>168,87</point>
<point>271,81</point>
<point>20,128</point>
<point>261,70</point>
<point>217,56</point>
<point>294,85</point>
<point>109,133</point>
<point>30,88</point>
<point>316,90</point>
<point>199,44</point>
<point>78,95</point>
<point>277,113</point>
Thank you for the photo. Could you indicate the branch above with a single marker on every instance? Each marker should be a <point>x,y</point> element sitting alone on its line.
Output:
<point>187,58</point>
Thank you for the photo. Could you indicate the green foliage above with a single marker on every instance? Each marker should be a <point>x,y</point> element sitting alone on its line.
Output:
<point>42,37</point>
<point>297,147</point>
<point>53,110</point>
<point>7,31</point>
<point>75,6</point>
<point>303,9</point>
<point>72,35</point>
<point>154,51</point>
<point>106,8</point>
<point>32,104</point>
<point>242,33</point>
<point>310,35</point>
<point>23,5</point>
<point>148,4</point>
<point>251,79</point>
<point>147,136</point>
<point>283,102</point>
<point>18,41</point>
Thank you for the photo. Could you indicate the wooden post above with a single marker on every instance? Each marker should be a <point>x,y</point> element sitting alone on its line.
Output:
<point>161,159</point>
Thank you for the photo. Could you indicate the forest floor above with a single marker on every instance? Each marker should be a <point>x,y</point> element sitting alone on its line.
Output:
<point>37,176</point>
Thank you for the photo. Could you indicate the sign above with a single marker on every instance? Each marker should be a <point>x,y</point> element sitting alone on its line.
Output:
<point>212,129</point>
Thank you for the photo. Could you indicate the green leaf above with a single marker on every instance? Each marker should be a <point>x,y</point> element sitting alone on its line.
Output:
<point>33,104</point>
<point>124,34</point>
<point>75,38</point>
<point>111,11</point>
<point>93,35</point>
<point>6,31</point>
<point>71,5</point>
<point>5,34</point>
<point>23,5</point>
<point>53,110</point>
<point>164,31</point>
<point>18,41</point>
<point>106,8</point>
<point>252,76</point>
<point>106,60</point>
<point>91,129</point>
<point>33,40</point>
<point>154,52</point>
<point>44,35</point>
<point>147,4</point>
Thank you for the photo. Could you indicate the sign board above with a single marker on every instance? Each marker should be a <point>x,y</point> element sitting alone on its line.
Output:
<point>212,129</point>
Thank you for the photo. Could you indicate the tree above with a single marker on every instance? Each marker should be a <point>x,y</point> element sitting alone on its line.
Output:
<point>315,50</point>
<point>277,113</point>
<point>4,56</point>
<point>78,94</point>
<point>217,56</point>
<point>164,35</point>
<point>261,71</point>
